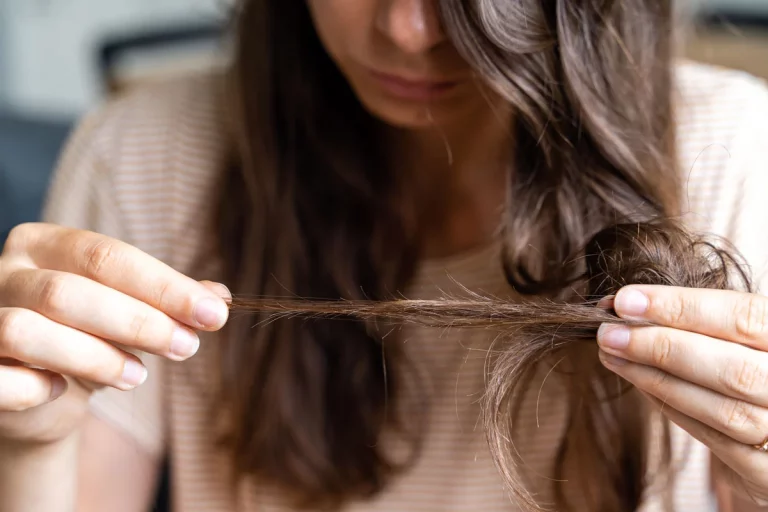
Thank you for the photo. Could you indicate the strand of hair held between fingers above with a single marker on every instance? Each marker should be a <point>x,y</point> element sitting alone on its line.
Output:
<point>485,313</point>
<point>558,333</point>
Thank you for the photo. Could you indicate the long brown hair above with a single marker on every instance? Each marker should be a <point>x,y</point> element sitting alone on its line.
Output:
<point>529,332</point>
<point>311,208</point>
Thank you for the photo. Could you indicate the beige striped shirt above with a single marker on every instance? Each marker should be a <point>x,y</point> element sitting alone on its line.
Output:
<point>142,169</point>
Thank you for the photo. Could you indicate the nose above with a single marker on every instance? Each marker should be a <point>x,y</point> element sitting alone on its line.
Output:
<point>412,25</point>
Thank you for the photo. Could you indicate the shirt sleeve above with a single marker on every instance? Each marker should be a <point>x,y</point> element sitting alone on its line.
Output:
<point>82,195</point>
<point>748,163</point>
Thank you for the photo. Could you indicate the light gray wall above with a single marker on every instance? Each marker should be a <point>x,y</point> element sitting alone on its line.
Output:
<point>47,46</point>
<point>3,55</point>
<point>48,63</point>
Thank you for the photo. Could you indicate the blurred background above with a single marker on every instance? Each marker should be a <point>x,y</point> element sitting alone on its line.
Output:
<point>58,58</point>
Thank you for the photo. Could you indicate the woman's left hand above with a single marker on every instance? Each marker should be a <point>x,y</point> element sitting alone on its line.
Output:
<point>704,362</point>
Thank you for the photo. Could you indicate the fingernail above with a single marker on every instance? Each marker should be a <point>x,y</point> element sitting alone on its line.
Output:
<point>223,292</point>
<point>184,343</point>
<point>606,302</point>
<point>609,360</point>
<point>631,303</point>
<point>211,313</point>
<point>58,387</point>
<point>613,336</point>
<point>134,374</point>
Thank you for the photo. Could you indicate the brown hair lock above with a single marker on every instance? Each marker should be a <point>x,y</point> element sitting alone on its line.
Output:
<point>537,331</point>
<point>312,205</point>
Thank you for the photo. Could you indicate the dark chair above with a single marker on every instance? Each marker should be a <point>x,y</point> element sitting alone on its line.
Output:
<point>734,17</point>
<point>732,38</point>
<point>165,48</point>
<point>29,149</point>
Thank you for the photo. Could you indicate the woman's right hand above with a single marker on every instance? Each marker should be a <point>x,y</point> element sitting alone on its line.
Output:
<point>71,303</point>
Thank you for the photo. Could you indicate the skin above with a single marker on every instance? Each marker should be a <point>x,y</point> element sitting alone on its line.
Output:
<point>704,365</point>
<point>457,141</point>
<point>64,293</point>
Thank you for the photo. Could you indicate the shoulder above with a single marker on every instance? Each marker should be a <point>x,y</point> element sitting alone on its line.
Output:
<point>155,117</point>
<point>723,138</point>
<point>722,117</point>
<point>700,85</point>
<point>150,159</point>
<point>716,107</point>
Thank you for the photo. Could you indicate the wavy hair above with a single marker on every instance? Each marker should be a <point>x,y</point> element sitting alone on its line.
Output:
<point>311,205</point>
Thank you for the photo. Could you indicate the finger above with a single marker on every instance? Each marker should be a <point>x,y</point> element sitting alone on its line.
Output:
<point>725,314</point>
<point>731,485</point>
<point>747,462</point>
<point>36,340</point>
<point>740,420</point>
<point>91,307</point>
<point>23,388</point>
<point>129,270</point>
<point>219,289</point>
<point>606,302</point>
<point>733,370</point>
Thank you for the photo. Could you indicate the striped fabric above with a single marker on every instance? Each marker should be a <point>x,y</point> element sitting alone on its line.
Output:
<point>143,169</point>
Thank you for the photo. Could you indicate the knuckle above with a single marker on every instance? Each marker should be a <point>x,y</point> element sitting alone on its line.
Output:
<point>750,320</point>
<point>676,311</point>
<point>53,295</point>
<point>161,294</point>
<point>140,328</point>
<point>12,282</point>
<point>11,331</point>
<point>740,416</point>
<point>100,257</point>
<point>18,238</point>
<point>662,350</point>
<point>745,379</point>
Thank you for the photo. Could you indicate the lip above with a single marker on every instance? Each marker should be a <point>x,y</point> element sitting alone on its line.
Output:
<point>414,89</point>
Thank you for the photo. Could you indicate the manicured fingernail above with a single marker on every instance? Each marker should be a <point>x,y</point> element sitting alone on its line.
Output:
<point>609,360</point>
<point>223,292</point>
<point>184,344</point>
<point>211,313</point>
<point>134,374</point>
<point>613,336</point>
<point>58,387</point>
<point>631,303</point>
<point>606,302</point>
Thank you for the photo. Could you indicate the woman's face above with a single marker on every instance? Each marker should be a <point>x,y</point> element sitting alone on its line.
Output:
<point>398,60</point>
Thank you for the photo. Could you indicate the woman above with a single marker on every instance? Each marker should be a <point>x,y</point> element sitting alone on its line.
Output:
<point>368,148</point>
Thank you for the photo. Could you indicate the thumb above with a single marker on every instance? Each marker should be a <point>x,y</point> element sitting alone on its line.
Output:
<point>219,289</point>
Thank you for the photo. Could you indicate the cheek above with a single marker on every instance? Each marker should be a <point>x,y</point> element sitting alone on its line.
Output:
<point>342,25</point>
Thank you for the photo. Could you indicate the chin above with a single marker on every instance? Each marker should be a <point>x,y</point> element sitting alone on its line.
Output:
<point>411,119</point>
<point>408,115</point>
